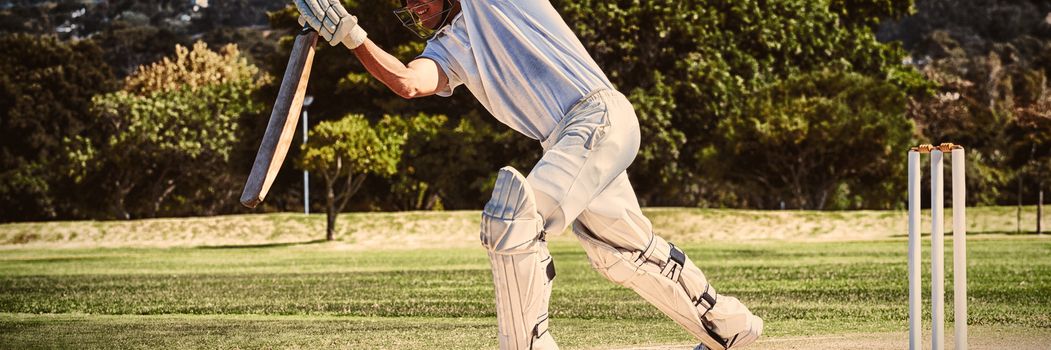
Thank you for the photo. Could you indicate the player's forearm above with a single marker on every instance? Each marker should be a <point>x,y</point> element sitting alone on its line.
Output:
<point>388,69</point>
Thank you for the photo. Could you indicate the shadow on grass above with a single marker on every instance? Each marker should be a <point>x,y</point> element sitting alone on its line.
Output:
<point>261,245</point>
<point>982,233</point>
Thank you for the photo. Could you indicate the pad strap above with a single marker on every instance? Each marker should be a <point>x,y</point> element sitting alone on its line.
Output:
<point>706,300</point>
<point>541,326</point>
<point>551,270</point>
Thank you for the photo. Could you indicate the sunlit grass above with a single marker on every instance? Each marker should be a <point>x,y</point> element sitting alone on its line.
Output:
<point>318,293</point>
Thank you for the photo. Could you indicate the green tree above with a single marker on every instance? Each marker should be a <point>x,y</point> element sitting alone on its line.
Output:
<point>345,152</point>
<point>46,87</point>
<point>822,140</point>
<point>418,181</point>
<point>691,66</point>
<point>164,142</point>
<point>869,12</point>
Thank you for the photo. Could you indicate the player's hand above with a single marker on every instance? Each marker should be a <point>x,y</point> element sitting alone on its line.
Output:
<point>332,21</point>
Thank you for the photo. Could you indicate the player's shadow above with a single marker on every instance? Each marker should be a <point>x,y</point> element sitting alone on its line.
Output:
<point>261,245</point>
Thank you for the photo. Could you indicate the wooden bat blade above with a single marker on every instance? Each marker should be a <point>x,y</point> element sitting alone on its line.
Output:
<point>283,120</point>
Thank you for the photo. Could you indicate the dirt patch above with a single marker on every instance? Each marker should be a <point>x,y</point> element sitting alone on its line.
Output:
<point>979,338</point>
<point>450,229</point>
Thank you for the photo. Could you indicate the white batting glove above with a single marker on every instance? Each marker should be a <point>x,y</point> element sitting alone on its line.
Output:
<point>331,21</point>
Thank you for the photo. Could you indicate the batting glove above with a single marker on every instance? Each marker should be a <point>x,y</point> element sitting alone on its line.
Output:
<point>332,21</point>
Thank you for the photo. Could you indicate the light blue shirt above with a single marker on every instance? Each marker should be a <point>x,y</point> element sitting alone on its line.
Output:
<point>519,59</point>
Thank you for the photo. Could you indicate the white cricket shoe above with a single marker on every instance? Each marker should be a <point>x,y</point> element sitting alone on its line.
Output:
<point>755,329</point>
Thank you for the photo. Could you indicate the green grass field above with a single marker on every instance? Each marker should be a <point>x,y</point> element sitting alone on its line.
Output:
<point>326,295</point>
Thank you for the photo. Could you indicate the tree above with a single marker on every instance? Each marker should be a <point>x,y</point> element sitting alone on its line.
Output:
<point>45,98</point>
<point>345,152</point>
<point>991,61</point>
<point>164,141</point>
<point>691,66</point>
<point>421,175</point>
<point>816,141</point>
<point>1031,136</point>
<point>128,46</point>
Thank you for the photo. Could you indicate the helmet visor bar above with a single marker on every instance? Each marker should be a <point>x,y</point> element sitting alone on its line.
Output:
<point>412,21</point>
<point>410,18</point>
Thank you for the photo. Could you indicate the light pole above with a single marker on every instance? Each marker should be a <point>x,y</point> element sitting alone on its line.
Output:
<point>306,174</point>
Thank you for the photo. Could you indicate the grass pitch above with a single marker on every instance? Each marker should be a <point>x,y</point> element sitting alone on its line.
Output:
<point>322,295</point>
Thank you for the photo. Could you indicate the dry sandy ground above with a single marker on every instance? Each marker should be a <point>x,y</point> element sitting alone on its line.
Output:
<point>413,230</point>
<point>979,338</point>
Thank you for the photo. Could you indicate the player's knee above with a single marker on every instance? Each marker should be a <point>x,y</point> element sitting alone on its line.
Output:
<point>510,221</point>
<point>551,212</point>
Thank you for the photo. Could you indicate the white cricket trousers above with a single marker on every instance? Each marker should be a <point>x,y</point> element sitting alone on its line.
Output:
<point>581,177</point>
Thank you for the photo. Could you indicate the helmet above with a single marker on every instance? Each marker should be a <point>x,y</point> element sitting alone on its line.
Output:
<point>411,20</point>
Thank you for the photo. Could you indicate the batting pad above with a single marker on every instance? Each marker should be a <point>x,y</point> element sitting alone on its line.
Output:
<point>512,231</point>
<point>663,275</point>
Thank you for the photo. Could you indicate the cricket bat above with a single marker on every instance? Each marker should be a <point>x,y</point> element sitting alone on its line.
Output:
<point>283,120</point>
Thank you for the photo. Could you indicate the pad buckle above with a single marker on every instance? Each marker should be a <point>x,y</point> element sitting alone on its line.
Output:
<point>677,255</point>
<point>676,260</point>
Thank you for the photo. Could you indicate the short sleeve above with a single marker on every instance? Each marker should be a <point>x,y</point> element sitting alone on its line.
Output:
<point>437,52</point>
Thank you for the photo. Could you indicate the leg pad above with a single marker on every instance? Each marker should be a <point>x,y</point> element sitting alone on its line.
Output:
<point>663,275</point>
<point>512,232</point>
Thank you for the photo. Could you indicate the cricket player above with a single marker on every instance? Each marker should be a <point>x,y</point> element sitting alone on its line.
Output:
<point>523,63</point>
